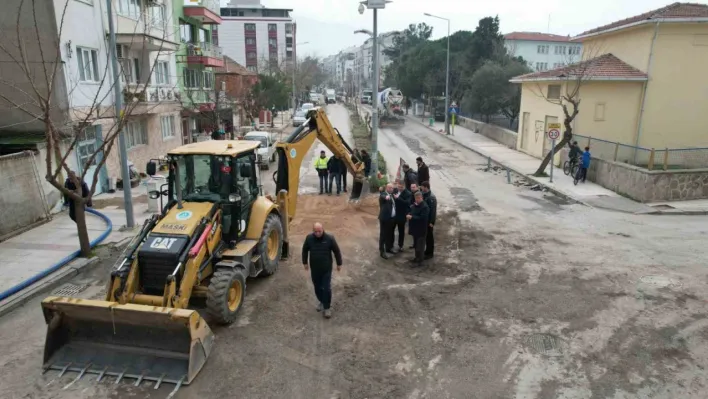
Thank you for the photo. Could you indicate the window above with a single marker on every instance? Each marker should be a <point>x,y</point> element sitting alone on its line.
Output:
<point>136,133</point>
<point>541,66</point>
<point>272,27</point>
<point>251,41</point>
<point>203,36</point>
<point>129,8</point>
<point>557,65</point>
<point>600,112</point>
<point>86,146</point>
<point>273,42</point>
<point>252,68</point>
<point>162,73</point>
<point>251,55</point>
<point>186,32</point>
<point>250,27</point>
<point>560,50</point>
<point>542,49</point>
<point>167,123</point>
<point>273,56</point>
<point>208,80</point>
<point>193,78</point>
<point>574,50</point>
<point>88,64</point>
<point>159,16</point>
<point>288,29</point>
<point>554,92</point>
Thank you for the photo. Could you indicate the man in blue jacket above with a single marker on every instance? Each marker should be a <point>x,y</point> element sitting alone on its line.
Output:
<point>585,164</point>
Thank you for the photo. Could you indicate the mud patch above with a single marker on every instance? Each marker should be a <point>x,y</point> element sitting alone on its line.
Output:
<point>412,143</point>
<point>465,200</point>
<point>548,203</point>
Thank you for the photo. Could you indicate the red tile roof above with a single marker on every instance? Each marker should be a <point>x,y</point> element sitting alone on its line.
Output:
<point>536,36</point>
<point>231,66</point>
<point>672,11</point>
<point>604,67</point>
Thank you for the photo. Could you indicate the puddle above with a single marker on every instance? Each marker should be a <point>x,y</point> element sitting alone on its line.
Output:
<point>466,201</point>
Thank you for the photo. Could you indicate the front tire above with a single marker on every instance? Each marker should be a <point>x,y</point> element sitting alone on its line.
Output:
<point>227,289</point>
<point>566,168</point>
<point>270,246</point>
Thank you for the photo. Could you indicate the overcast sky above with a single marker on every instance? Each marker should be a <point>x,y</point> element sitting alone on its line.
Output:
<point>328,25</point>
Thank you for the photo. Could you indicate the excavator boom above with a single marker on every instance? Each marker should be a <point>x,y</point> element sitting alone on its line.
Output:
<point>292,151</point>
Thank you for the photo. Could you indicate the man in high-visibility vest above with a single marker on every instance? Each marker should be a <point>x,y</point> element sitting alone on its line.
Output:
<point>321,168</point>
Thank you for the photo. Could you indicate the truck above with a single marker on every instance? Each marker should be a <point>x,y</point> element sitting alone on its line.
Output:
<point>366,96</point>
<point>390,106</point>
<point>437,108</point>
<point>266,151</point>
<point>331,96</point>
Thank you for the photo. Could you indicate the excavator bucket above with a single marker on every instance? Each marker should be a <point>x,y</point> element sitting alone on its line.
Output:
<point>357,188</point>
<point>138,342</point>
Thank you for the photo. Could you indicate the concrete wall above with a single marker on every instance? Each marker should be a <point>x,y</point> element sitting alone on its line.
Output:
<point>499,134</point>
<point>650,186</point>
<point>531,136</point>
<point>630,45</point>
<point>609,110</point>
<point>21,199</point>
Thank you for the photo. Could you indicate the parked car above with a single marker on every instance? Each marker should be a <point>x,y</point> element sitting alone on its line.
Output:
<point>266,151</point>
<point>366,100</point>
<point>299,118</point>
<point>305,107</point>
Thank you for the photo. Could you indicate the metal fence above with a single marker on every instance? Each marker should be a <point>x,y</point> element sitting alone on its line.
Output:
<point>649,158</point>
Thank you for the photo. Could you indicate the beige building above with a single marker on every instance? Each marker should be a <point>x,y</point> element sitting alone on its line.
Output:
<point>642,82</point>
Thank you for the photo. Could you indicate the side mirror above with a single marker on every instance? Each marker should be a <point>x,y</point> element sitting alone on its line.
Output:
<point>154,194</point>
<point>151,168</point>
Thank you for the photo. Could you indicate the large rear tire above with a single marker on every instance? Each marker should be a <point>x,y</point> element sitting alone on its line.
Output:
<point>270,246</point>
<point>227,290</point>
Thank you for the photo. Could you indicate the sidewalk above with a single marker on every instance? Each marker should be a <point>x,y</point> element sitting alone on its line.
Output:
<point>588,193</point>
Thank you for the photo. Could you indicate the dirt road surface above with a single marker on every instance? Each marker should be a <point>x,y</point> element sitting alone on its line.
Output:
<point>527,297</point>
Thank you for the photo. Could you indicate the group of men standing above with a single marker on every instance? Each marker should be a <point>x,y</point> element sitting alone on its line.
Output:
<point>332,170</point>
<point>410,202</point>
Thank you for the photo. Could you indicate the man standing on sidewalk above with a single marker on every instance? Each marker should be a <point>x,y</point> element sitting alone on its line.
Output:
<point>321,168</point>
<point>387,221</point>
<point>585,164</point>
<point>320,246</point>
<point>417,226</point>
<point>432,203</point>
<point>423,171</point>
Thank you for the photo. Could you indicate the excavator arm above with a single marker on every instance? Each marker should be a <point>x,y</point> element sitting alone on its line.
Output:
<point>293,150</point>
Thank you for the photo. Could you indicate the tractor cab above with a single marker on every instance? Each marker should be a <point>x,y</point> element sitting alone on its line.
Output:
<point>222,173</point>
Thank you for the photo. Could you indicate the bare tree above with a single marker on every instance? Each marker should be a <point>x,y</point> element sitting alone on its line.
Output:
<point>562,87</point>
<point>35,55</point>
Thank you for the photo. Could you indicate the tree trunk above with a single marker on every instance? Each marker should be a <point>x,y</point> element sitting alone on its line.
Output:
<point>80,214</point>
<point>541,171</point>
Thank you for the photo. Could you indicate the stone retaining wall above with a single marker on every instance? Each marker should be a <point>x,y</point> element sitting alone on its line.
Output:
<point>650,185</point>
<point>496,133</point>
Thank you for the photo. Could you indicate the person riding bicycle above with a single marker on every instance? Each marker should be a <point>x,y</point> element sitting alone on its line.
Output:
<point>575,153</point>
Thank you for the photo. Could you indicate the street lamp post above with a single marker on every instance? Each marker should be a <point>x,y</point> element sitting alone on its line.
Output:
<point>295,66</point>
<point>447,75</point>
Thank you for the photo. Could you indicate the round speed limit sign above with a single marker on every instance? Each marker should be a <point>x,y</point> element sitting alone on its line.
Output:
<point>553,134</point>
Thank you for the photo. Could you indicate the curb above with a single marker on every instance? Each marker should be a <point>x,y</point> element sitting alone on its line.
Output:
<point>516,171</point>
<point>73,269</point>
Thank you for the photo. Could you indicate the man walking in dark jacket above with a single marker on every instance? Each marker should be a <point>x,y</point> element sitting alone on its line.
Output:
<point>409,176</point>
<point>414,189</point>
<point>320,246</point>
<point>403,199</point>
<point>432,203</point>
<point>417,226</point>
<point>334,167</point>
<point>366,158</point>
<point>68,201</point>
<point>423,171</point>
<point>387,221</point>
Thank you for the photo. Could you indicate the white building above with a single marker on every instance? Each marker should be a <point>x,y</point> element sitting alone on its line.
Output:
<point>364,60</point>
<point>543,51</point>
<point>345,67</point>
<point>254,35</point>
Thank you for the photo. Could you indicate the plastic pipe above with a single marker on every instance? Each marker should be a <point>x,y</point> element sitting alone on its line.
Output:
<point>21,286</point>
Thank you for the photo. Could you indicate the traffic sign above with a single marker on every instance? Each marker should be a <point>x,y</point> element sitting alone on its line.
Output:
<point>553,134</point>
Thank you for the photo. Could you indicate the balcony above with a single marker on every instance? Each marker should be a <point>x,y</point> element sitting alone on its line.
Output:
<point>204,11</point>
<point>205,54</point>
<point>151,99</point>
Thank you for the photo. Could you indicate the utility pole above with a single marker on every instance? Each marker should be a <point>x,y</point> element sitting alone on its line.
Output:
<point>375,100</point>
<point>125,170</point>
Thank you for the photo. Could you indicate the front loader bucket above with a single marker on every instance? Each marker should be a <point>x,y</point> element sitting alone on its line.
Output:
<point>139,342</point>
<point>357,188</point>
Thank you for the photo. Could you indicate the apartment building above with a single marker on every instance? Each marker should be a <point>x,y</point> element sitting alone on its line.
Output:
<point>543,51</point>
<point>198,55</point>
<point>256,36</point>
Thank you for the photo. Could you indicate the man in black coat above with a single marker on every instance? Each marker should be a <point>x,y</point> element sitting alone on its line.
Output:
<point>387,221</point>
<point>414,189</point>
<point>409,176</point>
<point>403,199</point>
<point>417,226</point>
<point>68,201</point>
<point>320,246</point>
<point>335,167</point>
<point>432,203</point>
<point>366,158</point>
<point>423,171</point>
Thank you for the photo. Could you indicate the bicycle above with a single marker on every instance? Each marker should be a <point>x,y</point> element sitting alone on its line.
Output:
<point>577,176</point>
<point>570,168</point>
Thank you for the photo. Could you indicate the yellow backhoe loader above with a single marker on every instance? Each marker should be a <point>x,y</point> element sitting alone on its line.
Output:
<point>215,231</point>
